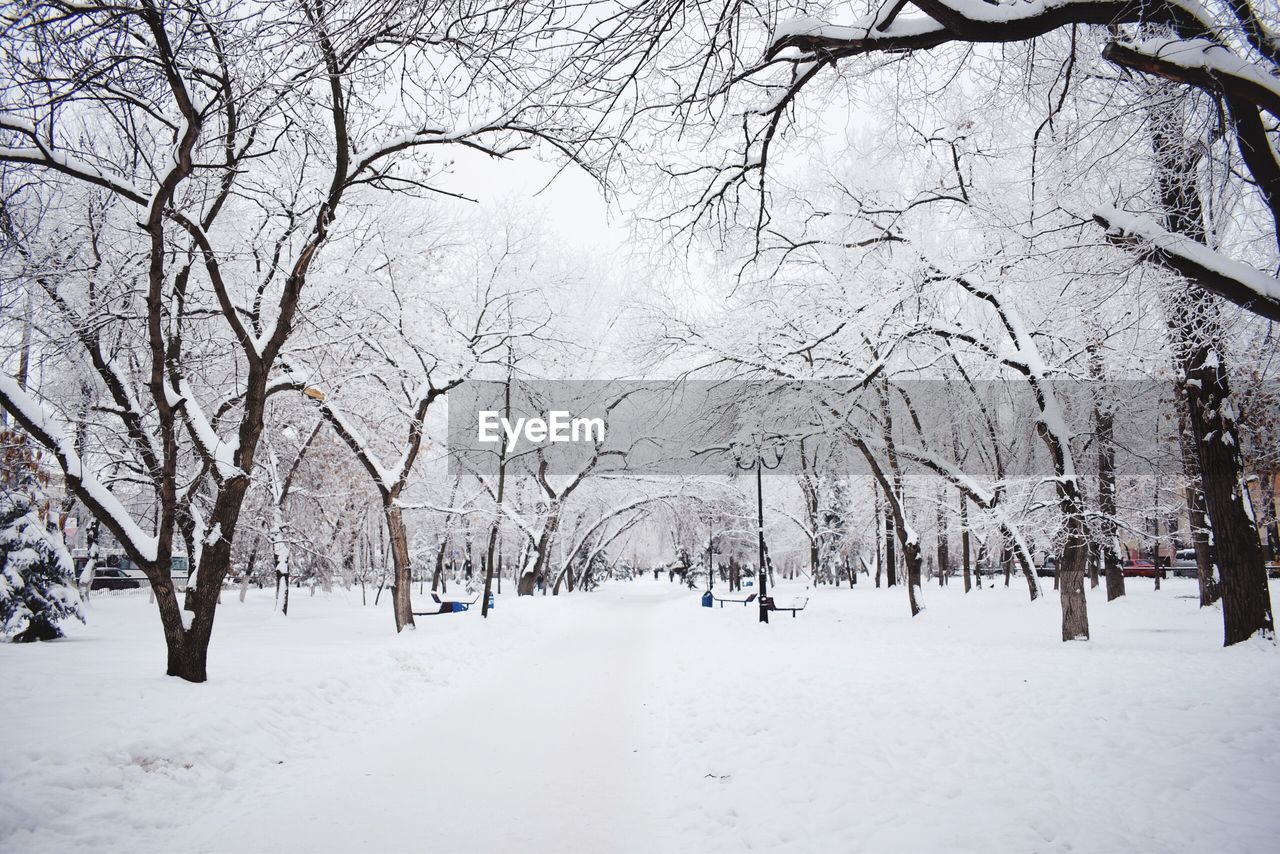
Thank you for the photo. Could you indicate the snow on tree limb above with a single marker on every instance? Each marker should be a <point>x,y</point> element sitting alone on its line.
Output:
<point>220,453</point>
<point>989,501</point>
<point>41,422</point>
<point>40,154</point>
<point>1201,63</point>
<point>572,551</point>
<point>1239,283</point>
<point>383,477</point>
<point>967,20</point>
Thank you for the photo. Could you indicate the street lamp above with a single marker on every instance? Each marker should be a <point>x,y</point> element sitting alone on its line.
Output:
<point>759,463</point>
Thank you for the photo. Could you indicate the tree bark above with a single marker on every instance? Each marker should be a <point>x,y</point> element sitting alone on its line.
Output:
<point>1075,616</point>
<point>1104,426</point>
<point>1273,514</point>
<point>910,544</point>
<point>542,552</point>
<point>1206,574</point>
<point>1195,326</point>
<point>1070,572</point>
<point>402,583</point>
<point>890,558</point>
<point>944,559</point>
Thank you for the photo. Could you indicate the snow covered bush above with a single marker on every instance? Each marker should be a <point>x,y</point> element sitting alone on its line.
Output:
<point>37,576</point>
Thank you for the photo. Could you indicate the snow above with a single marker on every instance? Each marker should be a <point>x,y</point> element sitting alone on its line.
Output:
<point>220,452</point>
<point>1004,11</point>
<point>1126,224</point>
<point>1202,54</point>
<point>631,719</point>
<point>865,28</point>
<point>44,419</point>
<point>911,23</point>
<point>39,153</point>
<point>385,476</point>
<point>36,569</point>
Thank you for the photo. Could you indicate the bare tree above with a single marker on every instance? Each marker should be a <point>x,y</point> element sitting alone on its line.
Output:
<point>235,135</point>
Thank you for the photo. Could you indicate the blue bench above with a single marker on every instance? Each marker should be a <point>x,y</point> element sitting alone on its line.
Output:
<point>447,606</point>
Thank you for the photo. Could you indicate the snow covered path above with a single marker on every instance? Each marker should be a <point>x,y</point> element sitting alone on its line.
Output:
<point>630,719</point>
<point>517,760</point>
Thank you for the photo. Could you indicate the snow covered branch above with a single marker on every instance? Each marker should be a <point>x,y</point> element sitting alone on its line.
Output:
<point>1201,63</point>
<point>42,424</point>
<point>1232,280</point>
<point>960,20</point>
<point>1202,51</point>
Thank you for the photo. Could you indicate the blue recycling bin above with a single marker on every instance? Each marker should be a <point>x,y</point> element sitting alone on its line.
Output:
<point>706,599</point>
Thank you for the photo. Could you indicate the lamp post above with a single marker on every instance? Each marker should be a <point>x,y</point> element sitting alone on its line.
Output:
<point>759,464</point>
<point>711,555</point>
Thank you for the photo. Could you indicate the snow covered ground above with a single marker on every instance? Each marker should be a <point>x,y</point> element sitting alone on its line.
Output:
<point>630,719</point>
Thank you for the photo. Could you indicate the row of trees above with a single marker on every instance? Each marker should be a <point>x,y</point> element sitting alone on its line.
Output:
<point>187,184</point>
<point>1141,126</point>
<point>246,289</point>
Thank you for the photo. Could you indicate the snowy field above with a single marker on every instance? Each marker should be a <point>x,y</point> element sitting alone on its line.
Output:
<point>630,719</point>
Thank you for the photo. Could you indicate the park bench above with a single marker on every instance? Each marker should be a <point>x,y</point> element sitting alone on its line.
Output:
<point>738,599</point>
<point>792,605</point>
<point>447,606</point>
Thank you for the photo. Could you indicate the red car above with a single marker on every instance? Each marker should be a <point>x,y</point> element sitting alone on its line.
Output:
<point>1140,569</point>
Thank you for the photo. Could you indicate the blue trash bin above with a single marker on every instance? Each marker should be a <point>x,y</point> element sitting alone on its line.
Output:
<point>490,601</point>
<point>706,599</point>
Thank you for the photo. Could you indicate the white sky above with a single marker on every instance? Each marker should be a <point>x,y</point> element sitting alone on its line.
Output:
<point>572,202</point>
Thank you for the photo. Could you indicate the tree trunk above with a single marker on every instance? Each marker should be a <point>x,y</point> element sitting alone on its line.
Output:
<point>542,557</point>
<point>1110,545</point>
<point>964,539</point>
<point>1070,572</point>
<point>1206,575</point>
<point>402,584</point>
<point>187,649</point>
<point>490,557</point>
<point>908,539</point>
<point>1075,616</point>
<point>890,559</point>
<point>879,514</point>
<point>525,586</point>
<point>944,559</point>
<point>1272,523</point>
<point>1195,331</point>
<point>912,558</point>
<point>437,575</point>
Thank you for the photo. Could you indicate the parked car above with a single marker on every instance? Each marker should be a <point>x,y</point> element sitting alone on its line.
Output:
<point>113,578</point>
<point>1049,568</point>
<point>1139,568</point>
<point>123,567</point>
<point>1184,564</point>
